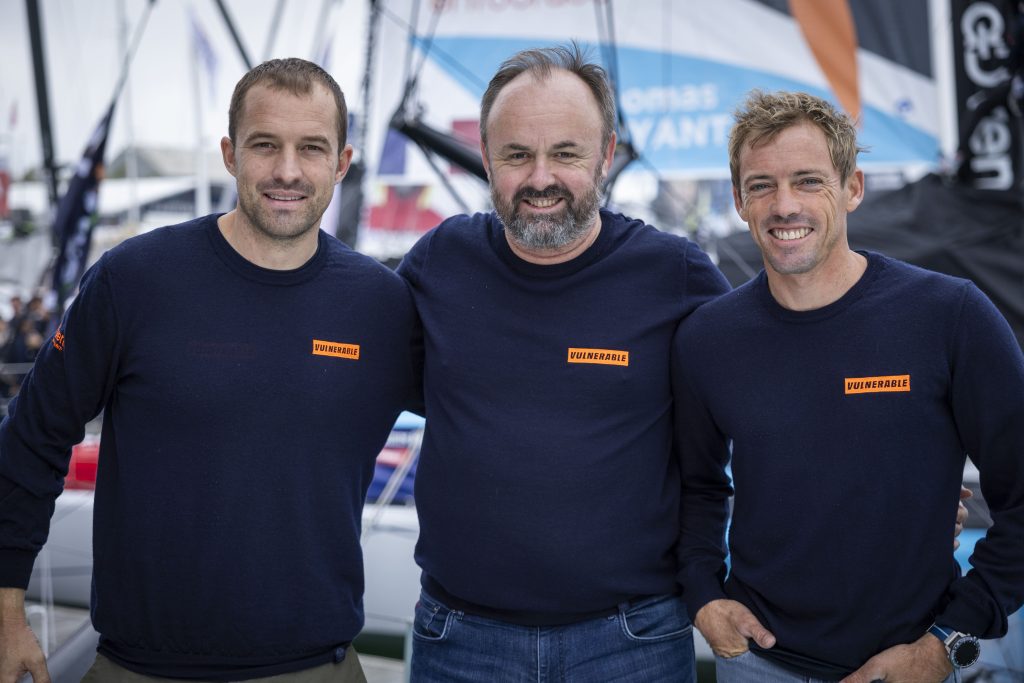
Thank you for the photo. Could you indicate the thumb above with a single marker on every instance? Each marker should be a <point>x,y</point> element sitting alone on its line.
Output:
<point>751,627</point>
<point>862,675</point>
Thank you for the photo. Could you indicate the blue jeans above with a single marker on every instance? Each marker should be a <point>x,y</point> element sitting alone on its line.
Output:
<point>649,641</point>
<point>749,668</point>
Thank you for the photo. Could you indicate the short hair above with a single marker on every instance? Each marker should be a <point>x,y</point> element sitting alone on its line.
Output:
<point>763,115</point>
<point>293,75</point>
<point>540,62</point>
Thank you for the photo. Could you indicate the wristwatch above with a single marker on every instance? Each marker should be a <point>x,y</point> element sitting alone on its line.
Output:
<point>963,649</point>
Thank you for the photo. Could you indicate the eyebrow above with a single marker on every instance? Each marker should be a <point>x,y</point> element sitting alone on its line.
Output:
<point>319,139</point>
<point>794,174</point>
<point>261,135</point>
<point>519,147</point>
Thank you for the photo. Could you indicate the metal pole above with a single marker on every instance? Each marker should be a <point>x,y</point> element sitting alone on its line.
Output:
<point>35,29</point>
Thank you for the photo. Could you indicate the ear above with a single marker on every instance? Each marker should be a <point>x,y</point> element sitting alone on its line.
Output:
<point>609,156</point>
<point>484,159</point>
<point>227,151</point>
<point>737,201</point>
<point>854,190</point>
<point>344,161</point>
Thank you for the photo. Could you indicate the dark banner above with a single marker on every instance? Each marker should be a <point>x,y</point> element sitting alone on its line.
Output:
<point>987,53</point>
<point>77,214</point>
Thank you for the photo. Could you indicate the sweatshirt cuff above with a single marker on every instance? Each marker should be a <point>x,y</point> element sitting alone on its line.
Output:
<point>971,609</point>
<point>16,567</point>
<point>699,591</point>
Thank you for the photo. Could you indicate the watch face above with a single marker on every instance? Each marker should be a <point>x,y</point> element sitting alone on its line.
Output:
<point>964,651</point>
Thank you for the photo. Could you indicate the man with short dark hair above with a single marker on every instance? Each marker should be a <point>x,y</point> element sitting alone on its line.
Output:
<point>249,368</point>
<point>548,489</point>
<point>851,387</point>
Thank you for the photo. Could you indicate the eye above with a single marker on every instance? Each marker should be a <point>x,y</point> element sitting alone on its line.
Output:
<point>262,145</point>
<point>757,187</point>
<point>566,155</point>
<point>517,156</point>
<point>312,148</point>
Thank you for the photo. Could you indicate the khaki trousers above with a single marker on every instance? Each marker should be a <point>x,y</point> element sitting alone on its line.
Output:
<point>347,671</point>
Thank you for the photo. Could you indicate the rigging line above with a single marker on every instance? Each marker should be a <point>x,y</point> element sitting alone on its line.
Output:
<point>666,41</point>
<point>439,54</point>
<point>413,79</point>
<point>665,185</point>
<point>605,38</point>
<point>275,25</point>
<point>722,245</point>
<point>428,43</point>
<point>410,29</point>
<point>429,155</point>
<point>612,59</point>
<point>229,22</point>
<point>373,24</point>
<point>319,41</point>
<point>132,49</point>
<point>602,31</point>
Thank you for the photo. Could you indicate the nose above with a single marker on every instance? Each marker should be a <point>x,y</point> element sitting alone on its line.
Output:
<point>287,169</point>
<point>787,202</point>
<point>541,176</point>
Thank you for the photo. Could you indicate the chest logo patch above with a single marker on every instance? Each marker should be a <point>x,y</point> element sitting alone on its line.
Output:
<point>877,385</point>
<point>335,349</point>
<point>599,356</point>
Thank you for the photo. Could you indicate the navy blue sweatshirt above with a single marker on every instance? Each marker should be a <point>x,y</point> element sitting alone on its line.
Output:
<point>850,425</point>
<point>243,410</point>
<point>547,488</point>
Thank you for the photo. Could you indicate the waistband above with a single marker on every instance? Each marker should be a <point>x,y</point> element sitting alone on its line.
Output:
<point>525,617</point>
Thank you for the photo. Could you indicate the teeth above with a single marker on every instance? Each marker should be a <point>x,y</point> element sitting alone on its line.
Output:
<point>794,234</point>
<point>541,203</point>
<point>284,199</point>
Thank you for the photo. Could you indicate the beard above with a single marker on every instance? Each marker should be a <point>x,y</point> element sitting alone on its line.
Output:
<point>281,226</point>
<point>550,231</point>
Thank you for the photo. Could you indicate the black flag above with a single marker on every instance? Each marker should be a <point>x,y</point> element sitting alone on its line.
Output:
<point>77,214</point>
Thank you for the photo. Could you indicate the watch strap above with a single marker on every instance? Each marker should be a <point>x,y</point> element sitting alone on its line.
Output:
<point>959,646</point>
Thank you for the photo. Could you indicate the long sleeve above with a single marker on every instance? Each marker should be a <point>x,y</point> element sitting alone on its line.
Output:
<point>988,406</point>
<point>703,452</point>
<point>68,386</point>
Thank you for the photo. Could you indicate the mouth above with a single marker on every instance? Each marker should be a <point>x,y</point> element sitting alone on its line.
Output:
<point>282,197</point>
<point>789,234</point>
<point>542,202</point>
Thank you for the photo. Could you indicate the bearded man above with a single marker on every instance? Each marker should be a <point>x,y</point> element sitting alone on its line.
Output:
<point>548,490</point>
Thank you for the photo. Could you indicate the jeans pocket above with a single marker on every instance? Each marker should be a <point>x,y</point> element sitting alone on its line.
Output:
<point>733,658</point>
<point>656,619</point>
<point>432,620</point>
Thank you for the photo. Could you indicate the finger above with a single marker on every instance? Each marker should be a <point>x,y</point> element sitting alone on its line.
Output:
<point>860,676</point>
<point>764,638</point>
<point>39,672</point>
<point>750,627</point>
<point>961,514</point>
<point>956,544</point>
<point>965,493</point>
